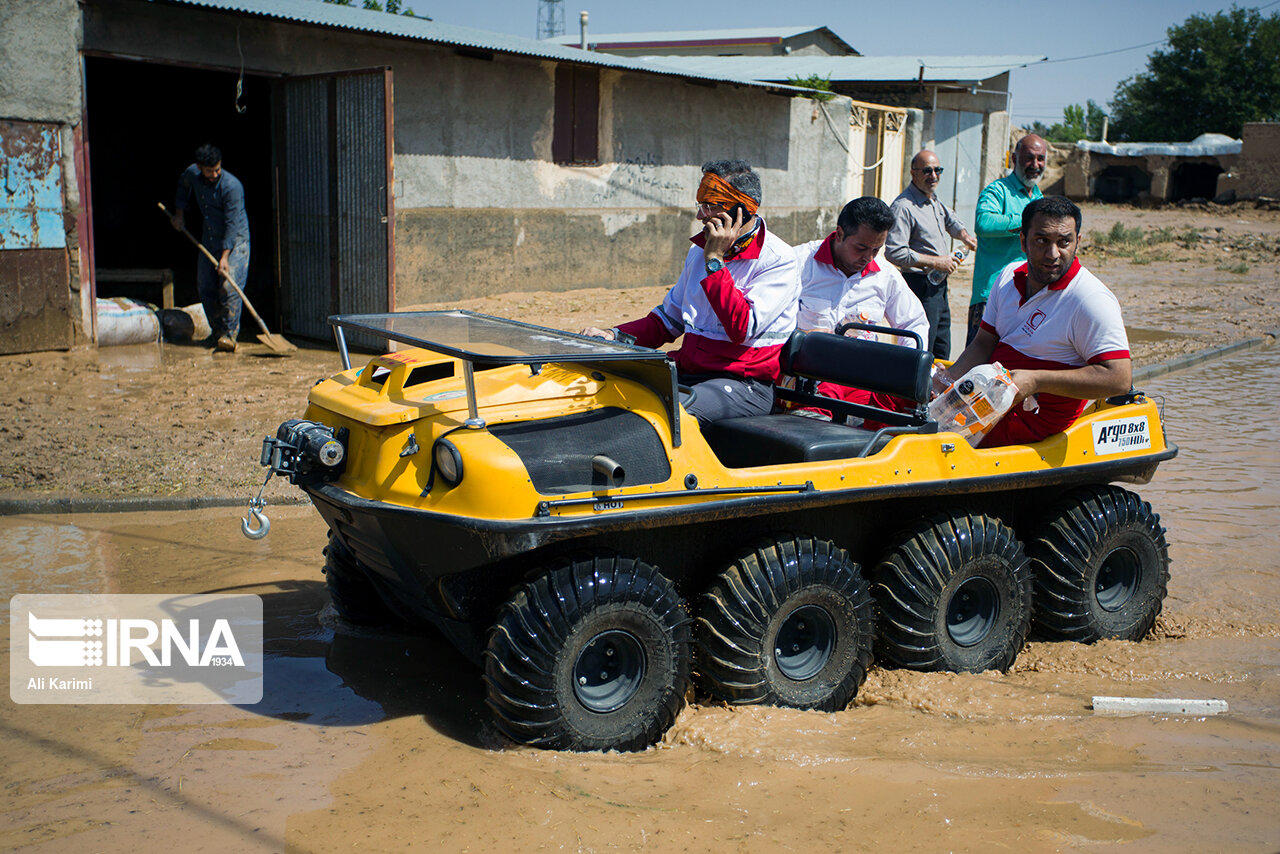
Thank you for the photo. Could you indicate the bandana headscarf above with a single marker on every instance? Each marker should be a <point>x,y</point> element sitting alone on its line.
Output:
<point>714,190</point>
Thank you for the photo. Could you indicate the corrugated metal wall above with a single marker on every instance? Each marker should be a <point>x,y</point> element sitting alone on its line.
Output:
<point>334,218</point>
<point>362,186</point>
<point>304,248</point>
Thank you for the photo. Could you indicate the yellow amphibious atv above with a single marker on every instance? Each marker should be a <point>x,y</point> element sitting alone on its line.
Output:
<point>545,501</point>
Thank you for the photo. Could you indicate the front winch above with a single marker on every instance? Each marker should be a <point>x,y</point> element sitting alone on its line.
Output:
<point>304,452</point>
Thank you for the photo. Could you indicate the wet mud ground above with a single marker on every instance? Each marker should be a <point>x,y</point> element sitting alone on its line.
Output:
<point>378,740</point>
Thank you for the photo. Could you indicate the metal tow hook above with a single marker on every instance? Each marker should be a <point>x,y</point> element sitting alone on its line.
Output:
<point>259,518</point>
<point>256,506</point>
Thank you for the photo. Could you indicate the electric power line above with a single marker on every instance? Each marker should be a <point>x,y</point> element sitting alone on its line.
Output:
<point>1047,61</point>
<point>1105,52</point>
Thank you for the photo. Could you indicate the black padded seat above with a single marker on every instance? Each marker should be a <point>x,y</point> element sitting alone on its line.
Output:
<point>859,363</point>
<point>766,440</point>
<point>811,357</point>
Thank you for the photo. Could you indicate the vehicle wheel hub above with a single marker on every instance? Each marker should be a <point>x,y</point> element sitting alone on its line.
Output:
<point>805,642</point>
<point>608,671</point>
<point>972,611</point>
<point>1117,579</point>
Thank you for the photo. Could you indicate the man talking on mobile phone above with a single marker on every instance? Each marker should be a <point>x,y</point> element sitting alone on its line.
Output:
<point>735,302</point>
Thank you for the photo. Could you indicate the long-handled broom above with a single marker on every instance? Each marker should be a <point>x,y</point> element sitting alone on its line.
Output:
<point>277,343</point>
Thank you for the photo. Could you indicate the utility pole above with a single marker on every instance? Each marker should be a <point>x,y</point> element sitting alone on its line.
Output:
<point>550,18</point>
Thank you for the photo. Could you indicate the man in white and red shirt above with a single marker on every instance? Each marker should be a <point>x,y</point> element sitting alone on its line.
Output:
<point>1054,326</point>
<point>841,282</point>
<point>735,301</point>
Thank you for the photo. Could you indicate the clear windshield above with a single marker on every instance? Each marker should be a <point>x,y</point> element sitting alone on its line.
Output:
<point>479,337</point>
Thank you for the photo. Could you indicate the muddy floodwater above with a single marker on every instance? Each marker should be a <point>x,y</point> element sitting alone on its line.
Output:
<point>376,741</point>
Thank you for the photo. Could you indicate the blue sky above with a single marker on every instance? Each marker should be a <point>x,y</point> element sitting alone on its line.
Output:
<point>1056,30</point>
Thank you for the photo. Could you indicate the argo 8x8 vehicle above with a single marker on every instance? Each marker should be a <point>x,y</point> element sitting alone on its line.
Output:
<point>545,501</point>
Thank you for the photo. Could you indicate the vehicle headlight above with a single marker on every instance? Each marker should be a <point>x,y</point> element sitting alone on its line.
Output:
<point>448,461</point>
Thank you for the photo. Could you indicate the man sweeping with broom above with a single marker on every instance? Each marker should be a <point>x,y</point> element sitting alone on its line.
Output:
<point>220,197</point>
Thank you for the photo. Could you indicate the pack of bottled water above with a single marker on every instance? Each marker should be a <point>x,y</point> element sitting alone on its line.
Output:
<point>974,403</point>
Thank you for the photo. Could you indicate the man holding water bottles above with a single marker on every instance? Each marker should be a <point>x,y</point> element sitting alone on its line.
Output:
<point>1054,326</point>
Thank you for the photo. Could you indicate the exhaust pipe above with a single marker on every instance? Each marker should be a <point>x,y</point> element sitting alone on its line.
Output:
<point>609,469</point>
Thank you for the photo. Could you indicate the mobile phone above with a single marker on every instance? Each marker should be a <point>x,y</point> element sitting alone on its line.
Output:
<point>738,210</point>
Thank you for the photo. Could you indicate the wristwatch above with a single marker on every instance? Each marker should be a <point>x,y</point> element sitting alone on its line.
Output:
<point>715,265</point>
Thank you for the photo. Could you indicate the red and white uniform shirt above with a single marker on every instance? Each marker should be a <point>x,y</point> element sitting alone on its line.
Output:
<point>734,321</point>
<point>1074,322</point>
<point>877,295</point>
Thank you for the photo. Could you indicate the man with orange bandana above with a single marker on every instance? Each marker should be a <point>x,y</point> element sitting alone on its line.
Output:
<point>735,302</point>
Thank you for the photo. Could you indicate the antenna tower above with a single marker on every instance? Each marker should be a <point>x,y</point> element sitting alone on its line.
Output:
<point>550,18</point>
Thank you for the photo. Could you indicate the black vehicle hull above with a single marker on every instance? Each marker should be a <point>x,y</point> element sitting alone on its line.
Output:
<point>453,572</point>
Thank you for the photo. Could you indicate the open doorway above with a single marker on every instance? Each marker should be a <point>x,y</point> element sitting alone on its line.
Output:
<point>144,122</point>
<point>1195,181</point>
<point>1117,184</point>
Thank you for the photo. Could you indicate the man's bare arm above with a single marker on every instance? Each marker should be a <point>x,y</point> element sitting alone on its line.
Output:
<point>1090,382</point>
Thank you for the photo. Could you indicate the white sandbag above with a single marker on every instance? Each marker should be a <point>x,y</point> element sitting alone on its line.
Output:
<point>126,321</point>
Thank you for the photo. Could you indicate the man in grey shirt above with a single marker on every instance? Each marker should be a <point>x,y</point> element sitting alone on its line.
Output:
<point>917,243</point>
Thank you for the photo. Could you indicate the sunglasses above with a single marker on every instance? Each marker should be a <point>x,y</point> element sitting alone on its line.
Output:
<point>931,170</point>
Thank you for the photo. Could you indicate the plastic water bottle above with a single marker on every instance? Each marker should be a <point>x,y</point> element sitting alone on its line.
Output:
<point>974,403</point>
<point>937,277</point>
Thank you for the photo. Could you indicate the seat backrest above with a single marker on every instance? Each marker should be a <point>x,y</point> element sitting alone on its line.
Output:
<point>859,363</point>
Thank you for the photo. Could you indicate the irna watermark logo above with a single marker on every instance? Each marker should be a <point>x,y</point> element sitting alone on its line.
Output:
<point>101,648</point>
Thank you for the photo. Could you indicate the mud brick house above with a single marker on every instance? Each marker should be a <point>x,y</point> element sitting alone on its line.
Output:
<point>1150,171</point>
<point>1256,173</point>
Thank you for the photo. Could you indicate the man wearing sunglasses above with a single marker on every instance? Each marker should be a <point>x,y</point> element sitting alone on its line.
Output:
<point>918,242</point>
<point>735,302</point>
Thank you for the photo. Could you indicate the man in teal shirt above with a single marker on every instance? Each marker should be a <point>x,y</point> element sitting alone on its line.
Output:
<point>1000,220</point>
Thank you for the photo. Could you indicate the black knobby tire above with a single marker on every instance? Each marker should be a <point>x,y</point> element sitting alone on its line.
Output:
<point>351,591</point>
<point>954,593</point>
<point>790,623</point>
<point>1101,566</point>
<point>593,654</point>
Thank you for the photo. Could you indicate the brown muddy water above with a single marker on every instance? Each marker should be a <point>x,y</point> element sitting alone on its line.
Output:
<point>378,741</point>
